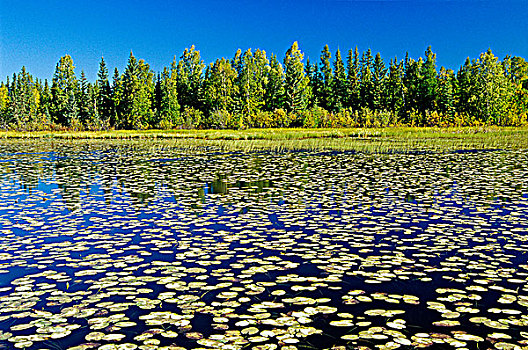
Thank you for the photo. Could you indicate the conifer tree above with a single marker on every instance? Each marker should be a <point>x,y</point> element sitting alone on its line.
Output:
<point>445,92</point>
<point>395,87</point>
<point>312,73</point>
<point>412,82</point>
<point>117,92</point>
<point>104,94</point>
<point>519,71</point>
<point>169,107</point>
<point>466,86</point>
<point>324,91</point>
<point>378,83</point>
<point>45,102</point>
<point>85,111</point>
<point>339,83</point>
<point>296,82</point>
<point>24,98</point>
<point>274,96</point>
<point>366,86</point>
<point>64,92</point>
<point>518,76</point>
<point>428,82</point>
<point>138,92</point>
<point>352,83</point>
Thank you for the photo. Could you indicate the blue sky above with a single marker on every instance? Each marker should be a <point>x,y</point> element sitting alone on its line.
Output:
<point>36,33</point>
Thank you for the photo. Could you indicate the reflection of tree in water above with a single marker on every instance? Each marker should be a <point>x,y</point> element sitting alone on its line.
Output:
<point>71,180</point>
<point>140,172</point>
<point>28,171</point>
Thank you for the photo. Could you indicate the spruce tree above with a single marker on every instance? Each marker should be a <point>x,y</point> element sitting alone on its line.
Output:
<point>274,97</point>
<point>45,102</point>
<point>64,92</point>
<point>395,87</point>
<point>312,72</point>
<point>85,111</point>
<point>138,95</point>
<point>465,88</point>
<point>445,93</point>
<point>412,82</point>
<point>24,99</point>
<point>378,83</point>
<point>366,86</point>
<point>169,107</point>
<point>352,98</point>
<point>296,82</point>
<point>428,82</point>
<point>105,104</point>
<point>117,93</point>
<point>339,83</point>
<point>324,91</point>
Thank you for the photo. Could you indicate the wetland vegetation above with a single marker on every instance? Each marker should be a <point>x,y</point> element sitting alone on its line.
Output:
<point>204,244</point>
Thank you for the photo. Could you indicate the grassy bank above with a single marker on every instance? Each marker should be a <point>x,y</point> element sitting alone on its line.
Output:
<point>385,139</point>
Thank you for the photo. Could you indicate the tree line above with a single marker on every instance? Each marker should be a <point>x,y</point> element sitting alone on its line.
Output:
<point>252,90</point>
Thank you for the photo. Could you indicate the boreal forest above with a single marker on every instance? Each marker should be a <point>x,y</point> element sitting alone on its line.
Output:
<point>254,90</point>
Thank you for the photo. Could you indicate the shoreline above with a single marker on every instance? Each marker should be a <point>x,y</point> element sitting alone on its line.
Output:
<point>396,139</point>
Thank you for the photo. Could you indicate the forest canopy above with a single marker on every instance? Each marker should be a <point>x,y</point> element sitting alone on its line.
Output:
<point>254,90</point>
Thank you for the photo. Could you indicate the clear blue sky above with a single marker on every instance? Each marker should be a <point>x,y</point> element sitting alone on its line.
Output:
<point>36,33</point>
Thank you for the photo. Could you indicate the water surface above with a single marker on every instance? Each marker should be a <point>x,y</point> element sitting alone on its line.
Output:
<point>138,244</point>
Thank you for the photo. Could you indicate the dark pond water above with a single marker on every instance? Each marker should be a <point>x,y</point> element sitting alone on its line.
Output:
<point>139,245</point>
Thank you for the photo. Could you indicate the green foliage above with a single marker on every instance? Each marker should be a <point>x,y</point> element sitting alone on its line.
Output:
<point>428,82</point>
<point>190,78</point>
<point>64,93</point>
<point>366,82</point>
<point>352,96</point>
<point>324,92</point>
<point>339,83</point>
<point>192,118</point>
<point>104,103</point>
<point>22,101</point>
<point>493,90</point>
<point>4,105</point>
<point>296,82</point>
<point>445,93</point>
<point>86,107</point>
<point>274,95</point>
<point>168,107</point>
<point>252,91</point>
<point>412,98</point>
<point>137,87</point>
<point>394,88</point>
<point>378,84</point>
<point>220,89</point>
<point>251,86</point>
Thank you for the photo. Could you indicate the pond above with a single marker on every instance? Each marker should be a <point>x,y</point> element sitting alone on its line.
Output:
<point>143,245</point>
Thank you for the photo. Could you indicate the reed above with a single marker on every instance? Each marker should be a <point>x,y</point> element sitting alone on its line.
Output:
<point>360,139</point>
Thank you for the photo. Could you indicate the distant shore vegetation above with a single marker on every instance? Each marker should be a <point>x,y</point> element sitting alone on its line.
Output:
<point>252,90</point>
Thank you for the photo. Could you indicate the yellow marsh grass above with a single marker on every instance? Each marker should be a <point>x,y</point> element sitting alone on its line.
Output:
<point>360,139</point>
